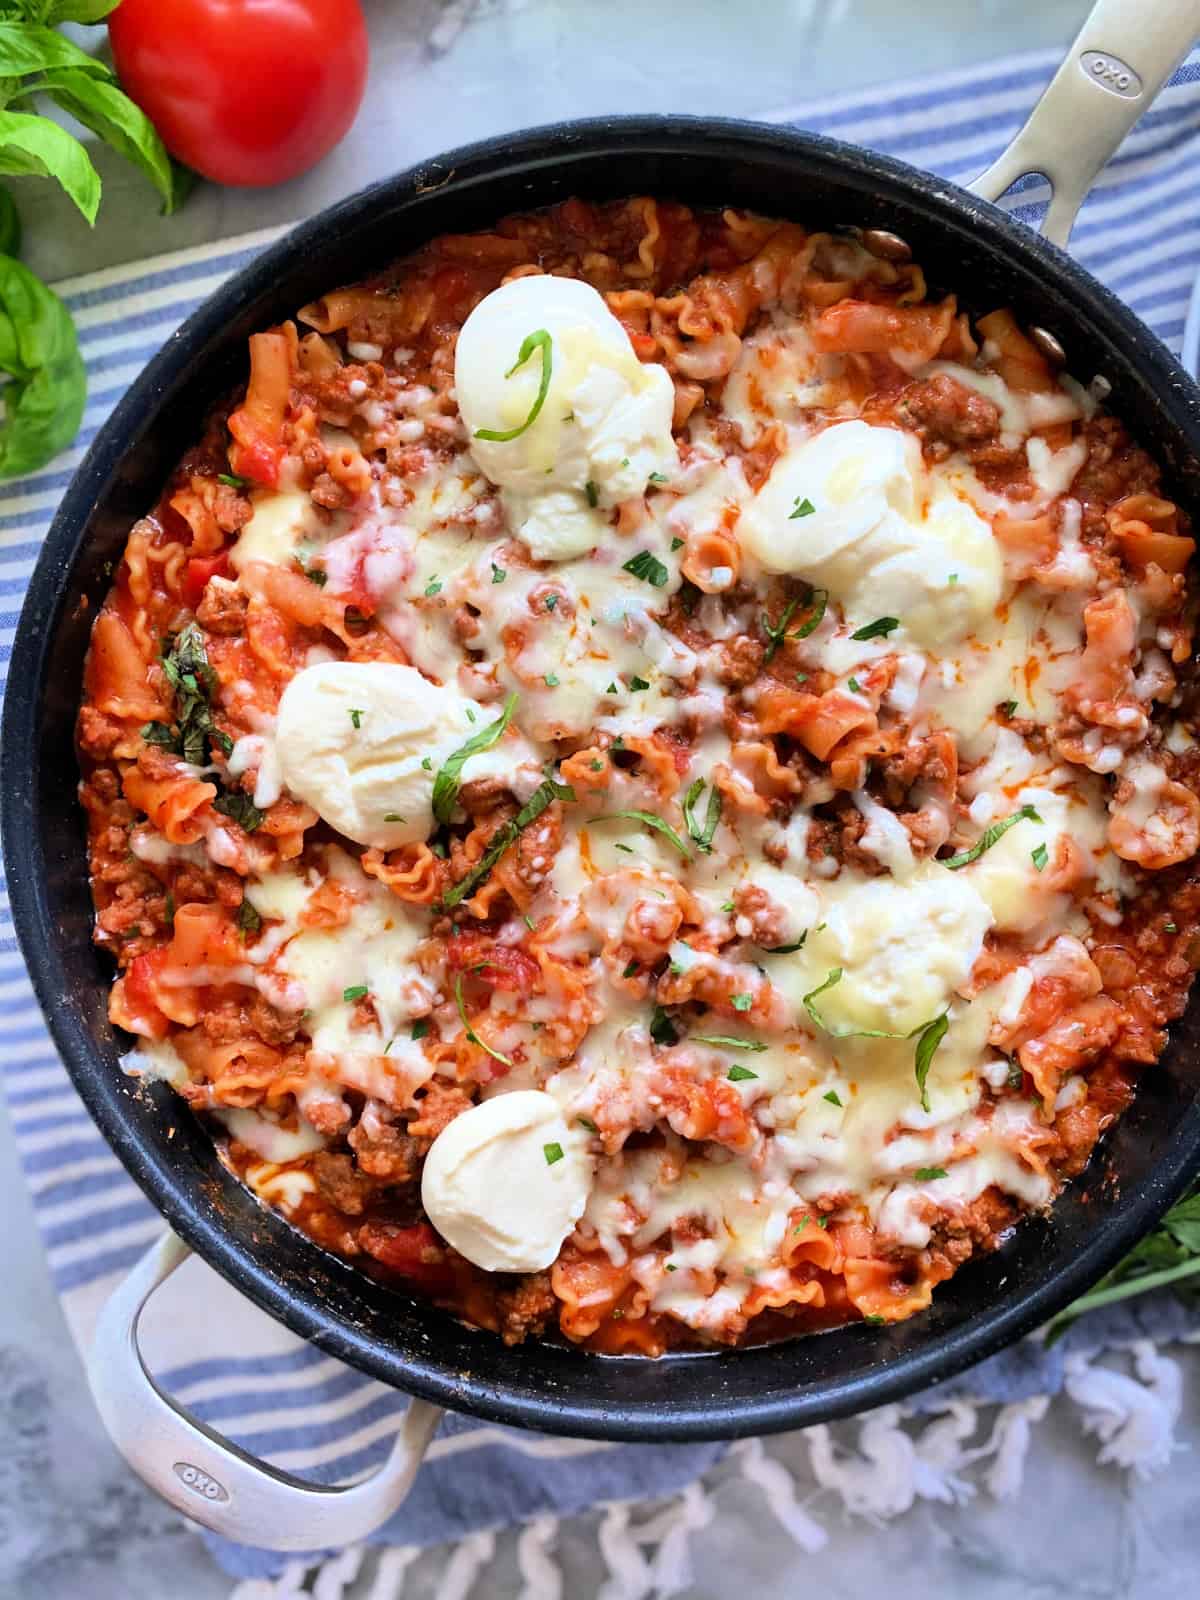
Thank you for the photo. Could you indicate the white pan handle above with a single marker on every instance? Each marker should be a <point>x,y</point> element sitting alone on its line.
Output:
<point>208,1478</point>
<point>1125,52</point>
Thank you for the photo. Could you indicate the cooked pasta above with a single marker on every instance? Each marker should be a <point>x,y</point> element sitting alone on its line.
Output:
<point>639,776</point>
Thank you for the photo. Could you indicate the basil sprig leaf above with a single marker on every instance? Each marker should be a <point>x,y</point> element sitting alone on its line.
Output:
<point>988,838</point>
<point>508,832</point>
<point>702,833</point>
<point>927,1034</point>
<point>449,779</point>
<point>651,821</point>
<point>538,340</point>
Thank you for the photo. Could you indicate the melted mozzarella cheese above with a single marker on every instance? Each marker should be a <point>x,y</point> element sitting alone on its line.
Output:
<point>506,1181</point>
<point>883,537</point>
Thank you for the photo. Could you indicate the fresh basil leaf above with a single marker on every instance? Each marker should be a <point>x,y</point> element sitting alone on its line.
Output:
<point>473,1036</point>
<point>727,1041</point>
<point>651,821</point>
<point>26,47</point>
<point>662,1028</point>
<point>101,106</point>
<point>448,781</point>
<point>87,12</point>
<point>36,147</point>
<point>248,919</point>
<point>43,405</point>
<point>879,629</point>
<point>820,599</point>
<point>647,567</point>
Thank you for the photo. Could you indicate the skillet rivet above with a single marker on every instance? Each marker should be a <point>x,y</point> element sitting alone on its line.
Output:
<point>888,246</point>
<point>1048,345</point>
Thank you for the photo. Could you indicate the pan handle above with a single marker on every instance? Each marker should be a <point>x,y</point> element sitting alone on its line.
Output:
<point>206,1476</point>
<point>1125,52</point>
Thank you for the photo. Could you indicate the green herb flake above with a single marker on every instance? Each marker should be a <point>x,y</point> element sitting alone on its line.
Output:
<point>988,838</point>
<point>637,684</point>
<point>612,689</point>
<point>802,508</point>
<point>1039,856</point>
<point>662,1029</point>
<point>740,1074</point>
<point>1170,927</point>
<point>833,1098</point>
<point>879,629</point>
<point>544,795</point>
<point>434,586</point>
<point>538,340</point>
<point>420,1028</point>
<point>239,808</point>
<point>169,909</point>
<point>593,494</point>
<point>498,573</point>
<point>657,477</point>
<point>650,820</point>
<point>853,685</point>
<point>631,971</point>
<point>357,992</point>
<point>875,1319</point>
<point>248,919</point>
<point>1009,707</point>
<point>931,1036</point>
<point>393,816</point>
<point>786,949</point>
<point>356,716</point>
<point>427,763</point>
<point>929,1174</point>
<point>552,1152</point>
<point>551,680</point>
<point>742,1002</point>
<point>586,1122</point>
<point>647,567</point>
<point>233,480</point>
<point>676,544</point>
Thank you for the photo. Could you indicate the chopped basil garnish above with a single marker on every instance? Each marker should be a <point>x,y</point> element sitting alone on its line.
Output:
<point>552,1153</point>
<point>1040,856</point>
<point>539,340</point>
<point>742,1002</point>
<point>853,685</point>
<point>802,508</point>
<point>658,477</point>
<point>434,586</point>
<point>315,575</point>
<point>636,683</point>
<point>879,629</point>
<point>1016,1074</point>
<point>233,480</point>
<point>832,1097</point>
<point>193,682</point>
<point>448,781</point>
<point>427,763</point>
<point>169,909</point>
<point>927,1034</point>
<point>676,544</point>
<point>593,494</point>
<point>631,970</point>
<point>551,601</point>
<point>647,567</point>
<point>586,1122</point>
<point>551,680</point>
<point>703,835</point>
<point>740,1074</point>
<point>356,716</point>
<point>240,809</point>
<point>248,919</point>
<point>1009,707</point>
<point>726,1041</point>
<point>662,1028</point>
<point>651,821</point>
<point>989,837</point>
<point>786,949</point>
<point>357,992</point>
<point>776,632</point>
<point>469,1030</point>
<point>420,1028</point>
<point>498,573</point>
<point>393,816</point>
<point>928,1174</point>
<point>819,600</point>
<point>505,835</point>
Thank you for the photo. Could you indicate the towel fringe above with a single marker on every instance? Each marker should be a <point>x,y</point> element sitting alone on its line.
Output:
<point>541,1576</point>
<point>877,1469</point>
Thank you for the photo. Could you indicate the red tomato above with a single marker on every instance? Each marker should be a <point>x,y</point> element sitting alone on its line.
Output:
<point>500,966</point>
<point>141,988</point>
<point>415,1253</point>
<point>248,92</point>
<point>199,570</point>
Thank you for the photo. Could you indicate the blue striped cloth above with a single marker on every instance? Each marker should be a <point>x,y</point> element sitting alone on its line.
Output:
<point>1140,232</point>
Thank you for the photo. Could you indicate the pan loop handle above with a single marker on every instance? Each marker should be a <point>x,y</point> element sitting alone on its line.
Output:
<point>206,1476</point>
<point>1125,52</point>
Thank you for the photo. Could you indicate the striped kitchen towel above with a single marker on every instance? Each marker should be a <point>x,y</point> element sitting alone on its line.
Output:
<point>1140,233</point>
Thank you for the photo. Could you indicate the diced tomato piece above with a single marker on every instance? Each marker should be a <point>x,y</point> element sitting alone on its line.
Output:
<point>199,570</point>
<point>140,988</point>
<point>500,966</point>
<point>415,1253</point>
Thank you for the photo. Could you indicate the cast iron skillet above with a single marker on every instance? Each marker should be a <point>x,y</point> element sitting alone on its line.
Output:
<point>964,244</point>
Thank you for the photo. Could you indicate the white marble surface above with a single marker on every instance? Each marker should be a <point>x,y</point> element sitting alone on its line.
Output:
<point>74,1524</point>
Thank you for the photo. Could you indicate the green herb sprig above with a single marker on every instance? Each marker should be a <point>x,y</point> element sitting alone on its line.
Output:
<point>538,340</point>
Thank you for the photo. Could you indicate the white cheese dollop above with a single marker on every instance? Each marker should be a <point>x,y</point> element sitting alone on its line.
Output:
<point>605,422</point>
<point>902,948</point>
<point>495,1187</point>
<point>362,742</point>
<point>885,537</point>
